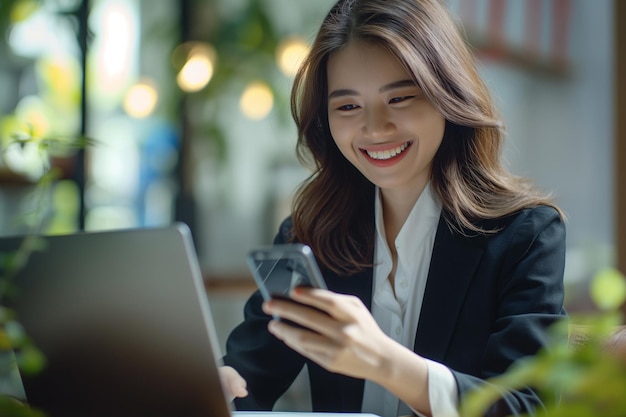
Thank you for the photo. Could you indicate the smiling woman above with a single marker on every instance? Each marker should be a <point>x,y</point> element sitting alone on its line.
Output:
<point>443,269</point>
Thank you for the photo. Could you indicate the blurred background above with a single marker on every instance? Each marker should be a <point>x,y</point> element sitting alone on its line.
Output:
<point>186,107</point>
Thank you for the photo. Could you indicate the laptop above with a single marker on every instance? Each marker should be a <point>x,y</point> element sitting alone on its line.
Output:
<point>123,321</point>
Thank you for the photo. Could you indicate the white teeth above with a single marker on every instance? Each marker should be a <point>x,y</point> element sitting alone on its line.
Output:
<point>382,155</point>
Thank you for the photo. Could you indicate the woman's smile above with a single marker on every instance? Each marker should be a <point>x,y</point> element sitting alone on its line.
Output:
<point>386,154</point>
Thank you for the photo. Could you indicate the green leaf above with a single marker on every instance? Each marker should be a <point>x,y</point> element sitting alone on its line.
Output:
<point>6,314</point>
<point>15,333</point>
<point>30,360</point>
<point>5,342</point>
<point>608,289</point>
<point>11,407</point>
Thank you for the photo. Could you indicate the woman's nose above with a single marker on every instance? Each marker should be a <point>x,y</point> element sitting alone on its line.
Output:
<point>377,124</point>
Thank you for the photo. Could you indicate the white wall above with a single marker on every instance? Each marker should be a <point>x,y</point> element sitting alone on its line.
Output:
<point>561,134</point>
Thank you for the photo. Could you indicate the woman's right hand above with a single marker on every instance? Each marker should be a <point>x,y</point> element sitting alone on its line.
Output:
<point>233,384</point>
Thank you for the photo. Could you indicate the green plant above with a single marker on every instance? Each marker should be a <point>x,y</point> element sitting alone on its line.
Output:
<point>17,350</point>
<point>18,353</point>
<point>577,375</point>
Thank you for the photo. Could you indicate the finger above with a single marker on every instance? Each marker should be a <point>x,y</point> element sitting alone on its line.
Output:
<point>313,345</point>
<point>236,390</point>
<point>321,350</point>
<point>239,389</point>
<point>310,318</point>
<point>234,385</point>
<point>342,307</point>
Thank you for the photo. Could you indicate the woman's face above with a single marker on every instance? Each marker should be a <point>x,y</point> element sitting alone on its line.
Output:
<point>380,119</point>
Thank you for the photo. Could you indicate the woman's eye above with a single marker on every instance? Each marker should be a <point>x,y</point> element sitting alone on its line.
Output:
<point>400,99</point>
<point>347,107</point>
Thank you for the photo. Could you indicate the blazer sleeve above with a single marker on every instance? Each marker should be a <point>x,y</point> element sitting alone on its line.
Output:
<point>267,364</point>
<point>529,299</point>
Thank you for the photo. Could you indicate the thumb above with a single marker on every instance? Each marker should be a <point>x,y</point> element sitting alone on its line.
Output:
<point>232,383</point>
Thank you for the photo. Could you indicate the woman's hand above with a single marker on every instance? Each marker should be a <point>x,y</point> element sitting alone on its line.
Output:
<point>232,383</point>
<point>344,338</point>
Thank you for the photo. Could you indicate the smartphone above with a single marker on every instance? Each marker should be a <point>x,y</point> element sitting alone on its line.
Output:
<point>280,268</point>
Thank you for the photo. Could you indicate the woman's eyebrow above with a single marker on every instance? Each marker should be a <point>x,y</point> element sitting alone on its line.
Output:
<point>342,93</point>
<point>391,86</point>
<point>397,84</point>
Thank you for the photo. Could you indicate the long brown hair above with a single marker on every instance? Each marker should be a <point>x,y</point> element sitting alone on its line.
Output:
<point>333,211</point>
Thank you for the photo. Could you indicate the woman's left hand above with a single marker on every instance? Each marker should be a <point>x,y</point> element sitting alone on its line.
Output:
<point>343,335</point>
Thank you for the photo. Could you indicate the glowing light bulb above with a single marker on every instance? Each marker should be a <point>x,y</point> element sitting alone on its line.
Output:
<point>141,100</point>
<point>256,101</point>
<point>198,68</point>
<point>290,54</point>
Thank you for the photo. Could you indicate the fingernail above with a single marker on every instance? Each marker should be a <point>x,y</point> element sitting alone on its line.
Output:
<point>272,326</point>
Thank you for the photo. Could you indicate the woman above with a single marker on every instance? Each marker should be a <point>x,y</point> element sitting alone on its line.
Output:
<point>443,268</point>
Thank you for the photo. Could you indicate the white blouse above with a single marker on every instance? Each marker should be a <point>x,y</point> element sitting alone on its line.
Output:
<point>397,310</point>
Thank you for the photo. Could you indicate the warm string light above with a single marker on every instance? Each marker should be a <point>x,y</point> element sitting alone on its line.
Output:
<point>198,67</point>
<point>289,55</point>
<point>257,100</point>
<point>141,99</point>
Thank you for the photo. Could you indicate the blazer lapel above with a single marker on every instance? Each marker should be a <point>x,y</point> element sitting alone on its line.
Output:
<point>452,267</point>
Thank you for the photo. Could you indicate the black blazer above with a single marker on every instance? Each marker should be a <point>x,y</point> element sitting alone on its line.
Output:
<point>489,300</point>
